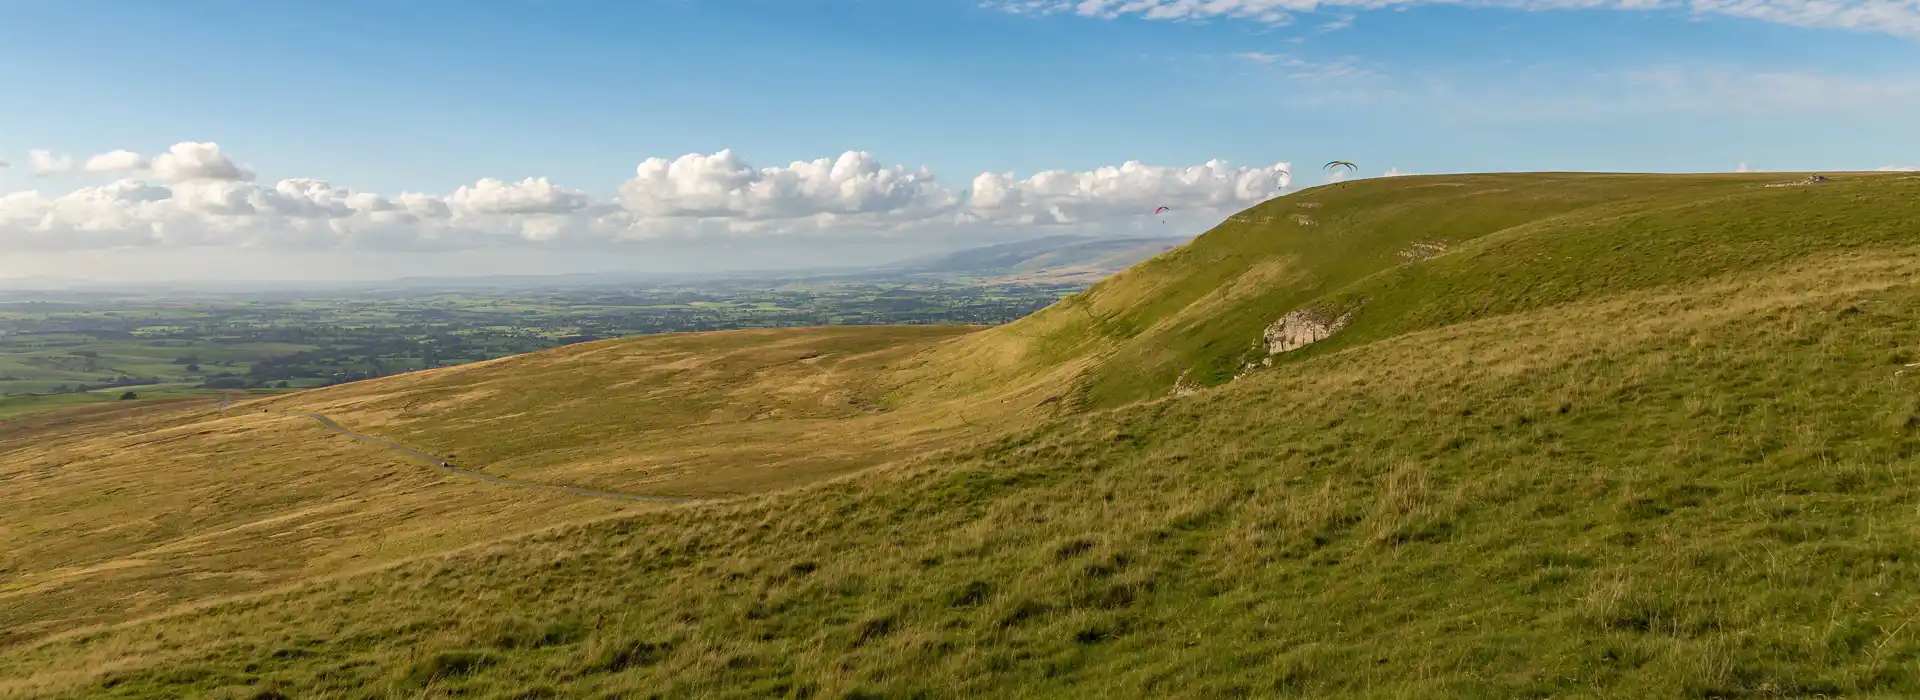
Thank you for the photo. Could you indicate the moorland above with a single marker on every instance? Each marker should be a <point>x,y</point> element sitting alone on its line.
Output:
<point>1479,436</point>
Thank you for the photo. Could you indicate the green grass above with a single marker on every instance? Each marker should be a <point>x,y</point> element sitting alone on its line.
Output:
<point>1199,309</point>
<point>35,366</point>
<point>1632,436</point>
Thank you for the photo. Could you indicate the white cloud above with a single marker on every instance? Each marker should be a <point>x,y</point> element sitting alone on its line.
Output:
<point>195,195</point>
<point>45,163</point>
<point>1395,172</point>
<point>1898,168</point>
<point>1338,23</point>
<point>116,162</point>
<point>854,184</point>
<point>191,160</point>
<point>423,206</point>
<point>1898,17</point>
<point>1131,189</point>
<point>4,163</point>
<point>529,196</point>
<point>1743,168</point>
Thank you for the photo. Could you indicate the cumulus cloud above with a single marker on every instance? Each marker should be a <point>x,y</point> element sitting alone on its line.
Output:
<point>1395,172</point>
<point>190,160</point>
<point>116,162</point>
<point>1898,17</point>
<point>184,161</point>
<point>1899,168</point>
<point>45,163</point>
<point>529,196</point>
<point>1131,189</point>
<point>724,185</point>
<point>195,195</point>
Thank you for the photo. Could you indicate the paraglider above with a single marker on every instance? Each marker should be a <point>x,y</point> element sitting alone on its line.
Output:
<point>1333,175</point>
<point>1162,210</point>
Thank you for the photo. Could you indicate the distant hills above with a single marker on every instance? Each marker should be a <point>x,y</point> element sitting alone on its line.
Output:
<point>1056,259</point>
<point>1048,257</point>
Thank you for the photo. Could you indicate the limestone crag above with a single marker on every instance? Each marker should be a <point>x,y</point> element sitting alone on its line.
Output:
<point>1302,328</point>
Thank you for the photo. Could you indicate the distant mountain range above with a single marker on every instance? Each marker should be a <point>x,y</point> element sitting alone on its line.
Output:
<point>1052,257</point>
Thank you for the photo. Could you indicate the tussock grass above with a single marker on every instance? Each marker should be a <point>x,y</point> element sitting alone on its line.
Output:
<point>1680,463</point>
<point>686,414</point>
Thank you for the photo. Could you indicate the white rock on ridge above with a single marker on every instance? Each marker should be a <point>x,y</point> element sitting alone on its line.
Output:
<point>1302,328</point>
<point>1810,180</point>
<point>1424,250</point>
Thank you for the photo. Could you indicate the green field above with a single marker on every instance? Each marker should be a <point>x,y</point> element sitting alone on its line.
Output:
<point>65,348</point>
<point>1599,436</point>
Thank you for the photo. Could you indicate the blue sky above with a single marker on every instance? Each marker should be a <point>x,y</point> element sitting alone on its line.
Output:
<point>429,95</point>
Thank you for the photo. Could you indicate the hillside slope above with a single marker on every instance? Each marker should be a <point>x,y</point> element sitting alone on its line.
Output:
<point>113,515</point>
<point>1629,436</point>
<point>1507,243</point>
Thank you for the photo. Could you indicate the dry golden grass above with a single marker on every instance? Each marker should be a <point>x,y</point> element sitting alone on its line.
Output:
<point>114,513</point>
<point>178,506</point>
<point>697,414</point>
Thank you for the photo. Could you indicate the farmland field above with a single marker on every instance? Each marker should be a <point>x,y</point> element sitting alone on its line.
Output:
<point>62,348</point>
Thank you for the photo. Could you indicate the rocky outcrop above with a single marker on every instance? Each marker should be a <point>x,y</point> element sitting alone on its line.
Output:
<point>1302,328</point>
<point>1423,250</point>
<point>1181,387</point>
<point>1809,180</point>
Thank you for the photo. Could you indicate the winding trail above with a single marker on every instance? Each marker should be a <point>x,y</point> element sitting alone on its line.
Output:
<point>330,424</point>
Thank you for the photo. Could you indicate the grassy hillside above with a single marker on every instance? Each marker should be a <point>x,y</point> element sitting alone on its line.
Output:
<point>108,518</point>
<point>689,414</point>
<point>1511,242</point>
<point>114,512</point>
<point>1629,436</point>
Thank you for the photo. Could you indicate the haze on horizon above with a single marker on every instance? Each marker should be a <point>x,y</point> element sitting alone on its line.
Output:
<point>364,140</point>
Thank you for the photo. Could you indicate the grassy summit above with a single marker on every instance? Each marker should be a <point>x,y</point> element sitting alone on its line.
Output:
<point>1627,436</point>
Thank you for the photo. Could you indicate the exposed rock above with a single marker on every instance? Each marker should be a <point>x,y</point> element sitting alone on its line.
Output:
<point>1302,328</point>
<point>1307,205</point>
<point>1424,250</point>
<point>1302,219</point>
<point>1810,180</point>
<point>1181,387</point>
